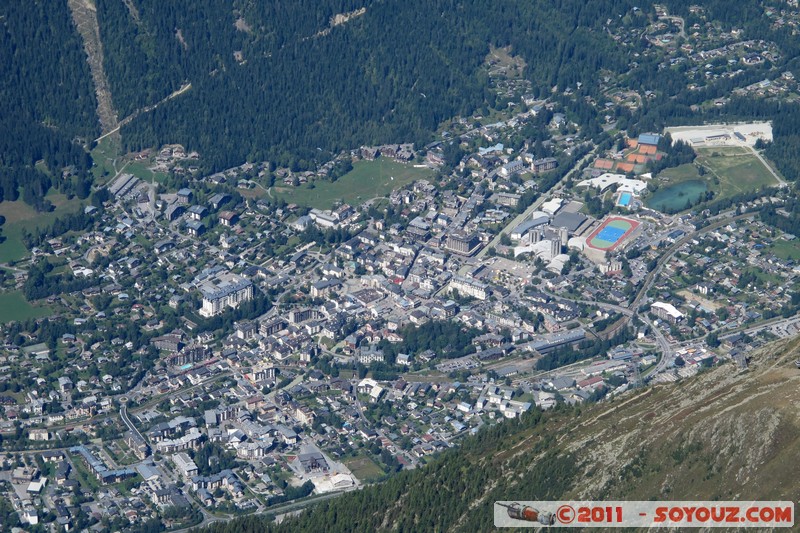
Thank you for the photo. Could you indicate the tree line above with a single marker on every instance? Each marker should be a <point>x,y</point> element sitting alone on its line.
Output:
<point>47,104</point>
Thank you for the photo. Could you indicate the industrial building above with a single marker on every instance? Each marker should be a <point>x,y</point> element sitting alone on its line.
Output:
<point>569,220</point>
<point>552,206</point>
<point>123,185</point>
<point>555,340</point>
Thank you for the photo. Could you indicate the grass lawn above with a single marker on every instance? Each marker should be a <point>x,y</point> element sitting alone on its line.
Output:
<point>364,468</point>
<point>254,193</point>
<point>680,173</point>
<point>723,150</point>
<point>108,161</point>
<point>20,216</point>
<point>104,155</point>
<point>367,180</point>
<point>737,169</point>
<point>785,249</point>
<point>767,277</point>
<point>13,306</point>
<point>120,452</point>
<point>140,170</point>
<point>85,478</point>
<point>730,170</point>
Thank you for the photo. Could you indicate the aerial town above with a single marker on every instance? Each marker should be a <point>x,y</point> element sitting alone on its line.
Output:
<point>251,338</point>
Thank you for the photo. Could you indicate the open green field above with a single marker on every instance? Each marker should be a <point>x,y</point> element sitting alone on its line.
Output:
<point>20,216</point>
<point>737,169</point>
<point>766,277</point>
<point>13,306</point>
<point>363,468</point>
<point>367,180</point>
<point>785,249</point>
<point>729,170</point>
<point>680,173</point>
<point>108,163</point>
<point>85,478</point>
<point>105,155</point>
<point>723,150</point>
<point>140,170</point>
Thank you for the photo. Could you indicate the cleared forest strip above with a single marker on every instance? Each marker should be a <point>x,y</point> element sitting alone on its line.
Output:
<point>84,15</point>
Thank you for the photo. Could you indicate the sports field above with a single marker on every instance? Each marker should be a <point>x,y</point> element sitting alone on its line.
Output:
<point>611,233</point>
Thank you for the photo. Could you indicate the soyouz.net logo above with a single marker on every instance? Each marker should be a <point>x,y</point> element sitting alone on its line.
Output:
<point>643,514</point>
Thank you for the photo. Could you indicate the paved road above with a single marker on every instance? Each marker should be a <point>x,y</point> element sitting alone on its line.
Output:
<point>519,219</point>
<point>663,344</point>
<point>666,349</point>
<point>603,305</point>
<point>775,175</point>
<point>672,250</point>
<point>773,323</point>
<point>123,412</point>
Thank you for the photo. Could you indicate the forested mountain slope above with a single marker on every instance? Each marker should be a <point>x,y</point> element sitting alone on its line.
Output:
<point>279,81</point>
<point>724,434</point>
<point>266,84</point>
<point>47,102</point>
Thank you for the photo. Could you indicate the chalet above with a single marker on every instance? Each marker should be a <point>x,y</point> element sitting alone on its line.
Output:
<point>313,462</point>
<point>195,228</point>
<point>163,246</point>
<point>228,218</point>
<point>174,211</point>
<point>185,196</point>
<point>324,287</point>
<point>217,200</point>
<point>197,212</point>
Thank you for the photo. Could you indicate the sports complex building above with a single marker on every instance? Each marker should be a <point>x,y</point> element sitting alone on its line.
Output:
<point>611,234</point>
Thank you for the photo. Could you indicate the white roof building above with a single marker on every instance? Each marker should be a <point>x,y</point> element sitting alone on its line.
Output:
<point>669,309</point>
<point>604,181</point>
<point>552,206</point>
<point>185,464</point>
